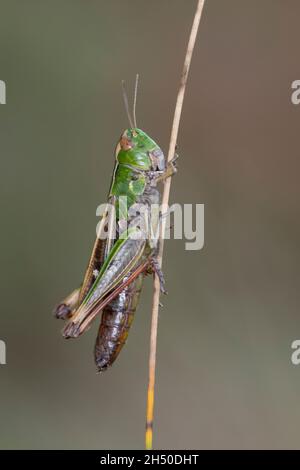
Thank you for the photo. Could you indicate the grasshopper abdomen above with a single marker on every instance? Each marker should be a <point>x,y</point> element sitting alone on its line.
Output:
<point>116,321</point>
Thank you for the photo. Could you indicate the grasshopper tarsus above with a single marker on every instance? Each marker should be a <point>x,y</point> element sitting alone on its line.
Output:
<point>157,269</point>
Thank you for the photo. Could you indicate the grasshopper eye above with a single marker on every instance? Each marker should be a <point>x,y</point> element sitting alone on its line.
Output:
<point>126,143</point>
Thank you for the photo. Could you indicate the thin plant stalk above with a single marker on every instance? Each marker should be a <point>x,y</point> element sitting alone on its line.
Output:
<point>165,201</point>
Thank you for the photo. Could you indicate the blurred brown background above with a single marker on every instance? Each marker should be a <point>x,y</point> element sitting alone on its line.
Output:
<point>225,379</point>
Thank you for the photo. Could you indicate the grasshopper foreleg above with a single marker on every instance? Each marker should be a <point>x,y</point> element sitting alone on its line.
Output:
<point>159,176</point>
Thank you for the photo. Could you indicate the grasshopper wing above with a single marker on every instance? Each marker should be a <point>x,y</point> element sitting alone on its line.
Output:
<point>100,250</point>
<point>101,247</point>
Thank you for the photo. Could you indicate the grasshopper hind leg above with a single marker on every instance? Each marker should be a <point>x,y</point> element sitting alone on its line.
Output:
<point>62,312</point>
<point>66,308</point>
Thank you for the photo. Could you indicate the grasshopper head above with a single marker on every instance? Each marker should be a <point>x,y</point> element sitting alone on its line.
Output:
<point>138,150</point>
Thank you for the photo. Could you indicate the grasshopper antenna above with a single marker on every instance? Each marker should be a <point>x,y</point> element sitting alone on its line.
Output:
<point>125,98</point>
<point>134,100</point>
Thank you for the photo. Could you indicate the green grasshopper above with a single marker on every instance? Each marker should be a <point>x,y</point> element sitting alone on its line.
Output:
<point>122,257</point>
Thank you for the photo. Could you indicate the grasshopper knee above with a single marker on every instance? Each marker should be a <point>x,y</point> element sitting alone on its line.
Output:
<point>62,312</point>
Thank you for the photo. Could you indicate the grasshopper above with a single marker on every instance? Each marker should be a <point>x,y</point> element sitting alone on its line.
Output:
<point>120,260</point>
